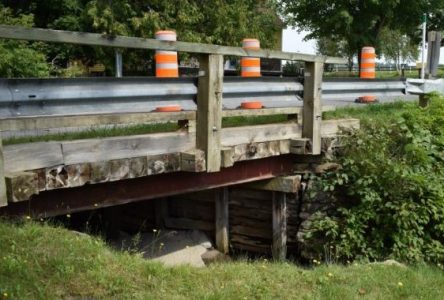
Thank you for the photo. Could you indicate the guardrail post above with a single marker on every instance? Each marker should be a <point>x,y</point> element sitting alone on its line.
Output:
<point>3,196</point>
<point>312,112</point>
<point>209,109</point>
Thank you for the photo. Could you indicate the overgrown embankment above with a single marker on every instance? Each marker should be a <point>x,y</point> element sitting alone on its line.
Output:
<point>39,261</point>
<point>389,194</point>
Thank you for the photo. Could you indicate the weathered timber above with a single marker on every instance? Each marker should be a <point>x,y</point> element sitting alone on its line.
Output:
<point>101,149</point>
<point>279,213</point>
<point>209,109</point>
<point>83,38</point>
<point>233,136</point>
<point>230,155</point>
<point>312,113</point>
<point>21,186</point>
<point>48,122</point>
<point>262,112</point>
<point>3,195</point>
<point>95,196</point>
<point>23,157</point>
<point>183,223</point>
<point>221,220</point>
<point>291,111</point>
<point>300,146</point>
<point>285,184</point>
<point>192,161</point>
<point>163,163</point>
<point>32,156</point>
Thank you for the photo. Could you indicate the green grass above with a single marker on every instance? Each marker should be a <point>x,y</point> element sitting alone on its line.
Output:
<point>373,113</point>
<point>39,261</point>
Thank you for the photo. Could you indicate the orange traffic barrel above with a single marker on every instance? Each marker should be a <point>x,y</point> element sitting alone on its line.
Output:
<point>166,61</point>
<point>368,63</point>
<point>251,105</point>
<point>251,66</point>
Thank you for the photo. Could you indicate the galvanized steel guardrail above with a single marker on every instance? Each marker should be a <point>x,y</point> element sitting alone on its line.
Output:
<point>49,97</point>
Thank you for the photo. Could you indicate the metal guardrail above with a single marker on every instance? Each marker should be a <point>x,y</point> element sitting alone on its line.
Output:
<point>49,97</point>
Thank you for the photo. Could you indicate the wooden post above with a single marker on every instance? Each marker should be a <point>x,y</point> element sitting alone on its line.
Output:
<point>312,111</point>
<point>279,216</point>
<point>209,109</point>
<point>222,242</point>
<point>3,196</point>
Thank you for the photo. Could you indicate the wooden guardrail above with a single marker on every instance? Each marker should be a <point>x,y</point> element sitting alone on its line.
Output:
<point>209,136</point>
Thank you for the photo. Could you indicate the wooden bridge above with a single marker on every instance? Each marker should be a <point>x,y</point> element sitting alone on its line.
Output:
<point>51,178</point>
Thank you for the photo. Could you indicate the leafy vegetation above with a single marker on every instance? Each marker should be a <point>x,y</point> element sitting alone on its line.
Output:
<point>40,261</point>
<point>20,59</point>
<point>351,25</point>
<point>389,192</point>
<point>224,22</point>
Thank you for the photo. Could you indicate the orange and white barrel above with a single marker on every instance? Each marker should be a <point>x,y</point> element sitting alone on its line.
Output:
<point>368,63</point>
<point>166,61</point>
<point>251,66</point>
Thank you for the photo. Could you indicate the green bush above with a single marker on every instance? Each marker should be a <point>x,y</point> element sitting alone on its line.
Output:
<point>390,190</point>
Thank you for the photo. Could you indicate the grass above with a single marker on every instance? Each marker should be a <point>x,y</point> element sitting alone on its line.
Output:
<point>40,261</point>
<point>373,113</point>
<point>381,74</point>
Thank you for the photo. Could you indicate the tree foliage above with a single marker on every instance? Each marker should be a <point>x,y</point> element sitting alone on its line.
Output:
<point>20,59</point>
<point>224,22</point>
<point>361,23</point>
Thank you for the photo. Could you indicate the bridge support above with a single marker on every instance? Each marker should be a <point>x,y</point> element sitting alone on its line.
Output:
<point>221,220</point>
<point>279,219</point>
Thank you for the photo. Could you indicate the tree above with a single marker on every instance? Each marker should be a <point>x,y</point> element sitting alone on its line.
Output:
<point>398,47</point>
<point>224,22</point>
<point>20,59</point>
<point>360,22</point>
<point>335,47</point>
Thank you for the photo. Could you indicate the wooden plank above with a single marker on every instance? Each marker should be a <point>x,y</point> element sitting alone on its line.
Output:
<point>3,195</point>
<point>261,112</point>
<point>163,163</point>
<point>259,133</point>
<point>192,161</point>
<point>285,184</point>
<point>300,146</point>
<point>269,111</point>
<point>75,121</point>
<point>23,157</point>
<point>183,223</point>
<point>312,113</point>
<point>83,38</point>
<point>33,156</point>
<point>21,186</point>
<point>209,109</point>
<point>279,216</point>
<point>243,152</point>
<point>221,220</point>
<point>103,149</point>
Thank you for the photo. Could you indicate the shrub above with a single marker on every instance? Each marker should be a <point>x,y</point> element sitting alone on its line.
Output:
<point>390,190</point>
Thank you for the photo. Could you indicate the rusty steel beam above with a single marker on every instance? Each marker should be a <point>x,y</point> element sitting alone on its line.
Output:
<point>89,197</point>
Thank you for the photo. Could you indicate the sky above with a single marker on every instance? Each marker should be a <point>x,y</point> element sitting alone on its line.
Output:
<point>292,41</point>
